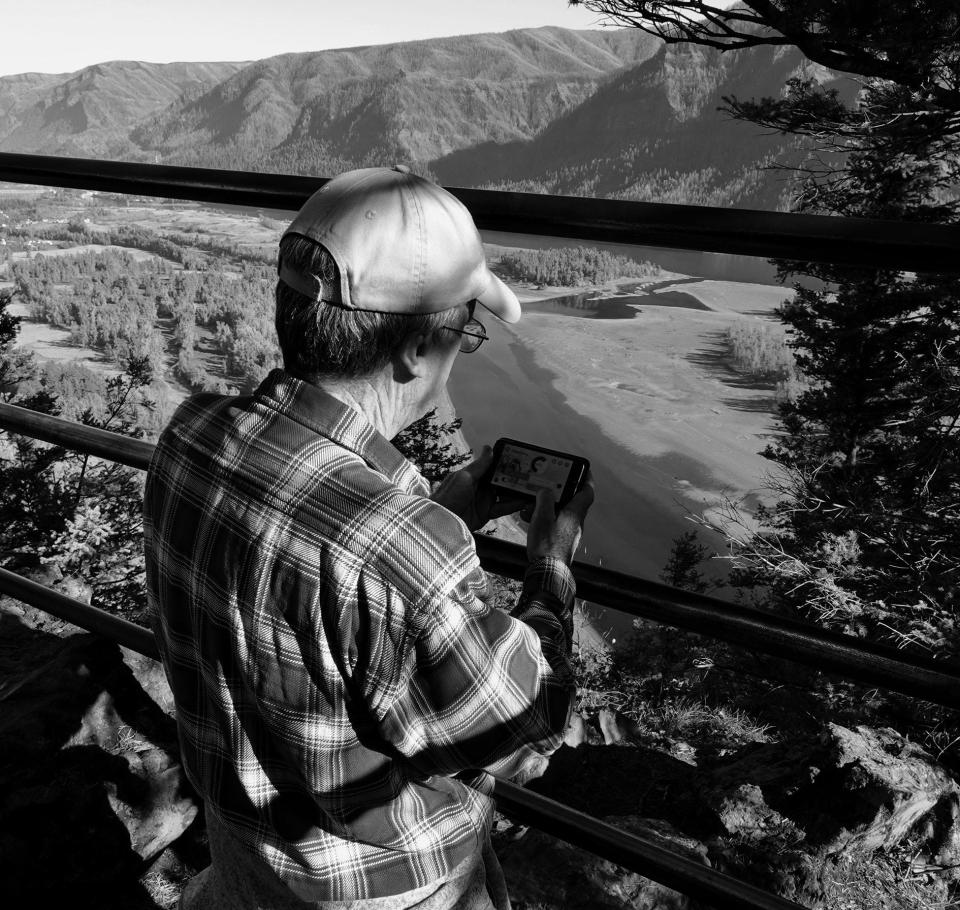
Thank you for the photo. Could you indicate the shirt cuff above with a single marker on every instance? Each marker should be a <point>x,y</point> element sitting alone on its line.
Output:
<point>553,575</point>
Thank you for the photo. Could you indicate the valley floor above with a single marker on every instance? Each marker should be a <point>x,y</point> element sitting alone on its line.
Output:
<point>659,384</point>
<point>648,395</point>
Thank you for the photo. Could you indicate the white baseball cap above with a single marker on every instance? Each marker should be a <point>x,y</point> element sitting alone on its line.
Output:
<point>402,244</point>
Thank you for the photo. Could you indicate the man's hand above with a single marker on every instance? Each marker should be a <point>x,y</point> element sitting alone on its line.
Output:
<point>462,493</point>
<point>552,534</point>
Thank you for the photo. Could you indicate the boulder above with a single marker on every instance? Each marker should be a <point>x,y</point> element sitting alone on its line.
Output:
<point>784,816</point>
<point>791,810</point>
<point>892,787</point>
<point>611,726</point>
<point>576,733</point>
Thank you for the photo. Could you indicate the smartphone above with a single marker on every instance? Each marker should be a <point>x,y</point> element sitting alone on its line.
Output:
<point>520,470</point>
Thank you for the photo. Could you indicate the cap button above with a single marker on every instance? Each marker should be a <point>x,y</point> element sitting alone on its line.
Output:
<point>401,168</point>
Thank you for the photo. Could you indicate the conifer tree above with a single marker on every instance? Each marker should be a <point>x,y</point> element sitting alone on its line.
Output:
<point>427,443</point>
<point>682,568</point>
<point>77,516</point>
<point>33,494</point>
<point>866,535</point>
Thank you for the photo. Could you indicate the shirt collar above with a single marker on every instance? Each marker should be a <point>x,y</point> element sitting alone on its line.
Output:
<point>320,412</point>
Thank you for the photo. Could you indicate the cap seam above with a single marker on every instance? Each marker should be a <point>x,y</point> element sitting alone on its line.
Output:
<point>420,274</point>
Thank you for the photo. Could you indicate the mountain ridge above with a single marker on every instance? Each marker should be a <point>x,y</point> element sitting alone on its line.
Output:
<point>89,112</point>
<point>598,112</point>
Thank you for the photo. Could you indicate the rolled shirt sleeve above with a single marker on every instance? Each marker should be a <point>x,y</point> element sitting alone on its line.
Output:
<point>487,690</point>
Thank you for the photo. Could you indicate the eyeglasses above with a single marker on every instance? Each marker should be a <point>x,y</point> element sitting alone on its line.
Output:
<point>473,335</point>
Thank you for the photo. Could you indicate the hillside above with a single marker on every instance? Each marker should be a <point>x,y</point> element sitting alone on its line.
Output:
<point>607,113</point>
<point>653,132</point>
<point>90,113</point>
<point>415,101</point>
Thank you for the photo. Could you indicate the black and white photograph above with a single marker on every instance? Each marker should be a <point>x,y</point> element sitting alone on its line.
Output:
<point>480,456</point>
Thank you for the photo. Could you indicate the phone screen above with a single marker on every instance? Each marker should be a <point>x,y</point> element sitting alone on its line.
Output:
<point>528,471</point>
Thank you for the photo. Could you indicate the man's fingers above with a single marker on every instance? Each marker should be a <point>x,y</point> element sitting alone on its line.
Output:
<point>545,509</point>
<point>580,504</point>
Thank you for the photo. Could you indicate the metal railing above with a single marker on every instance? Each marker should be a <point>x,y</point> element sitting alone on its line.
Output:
<point>819,238</point>
<point>853,242</point>
<point>865,662</point>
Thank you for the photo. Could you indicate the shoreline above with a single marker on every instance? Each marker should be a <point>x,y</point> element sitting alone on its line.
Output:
<point>657,385</point>
<point>671,431</point>
<point>639,509</point>
<point>658,472</point>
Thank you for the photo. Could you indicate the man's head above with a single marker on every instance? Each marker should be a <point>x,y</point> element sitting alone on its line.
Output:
<point>374,257</point>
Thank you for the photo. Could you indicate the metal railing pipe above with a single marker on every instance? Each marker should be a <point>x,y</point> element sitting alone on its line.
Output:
<point>862,661</point>
<point>72,435</point>
<point>832,652</point>
<point>93,619</point>
<point>859,242</point>
<point>605,840</point>
<point>635,853</point>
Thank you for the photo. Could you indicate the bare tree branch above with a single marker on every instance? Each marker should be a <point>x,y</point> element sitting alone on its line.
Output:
<point>911,42</point>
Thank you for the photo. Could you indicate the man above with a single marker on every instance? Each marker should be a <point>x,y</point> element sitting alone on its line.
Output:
<point>340,675</point>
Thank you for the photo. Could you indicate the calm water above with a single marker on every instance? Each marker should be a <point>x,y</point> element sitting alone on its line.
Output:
<point>721,266</point>
<point>593,305</point>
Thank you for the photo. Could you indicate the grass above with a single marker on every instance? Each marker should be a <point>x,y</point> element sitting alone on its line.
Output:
<point>894,880</point>
<point>128,740</point>
<point>164,892</point>
<point>686,718</point>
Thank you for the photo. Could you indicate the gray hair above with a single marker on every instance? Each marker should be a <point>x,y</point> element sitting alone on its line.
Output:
<point>322,338</point>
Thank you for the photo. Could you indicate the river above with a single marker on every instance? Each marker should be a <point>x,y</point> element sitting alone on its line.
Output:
<point>500,391</point>
<point>720,266</point>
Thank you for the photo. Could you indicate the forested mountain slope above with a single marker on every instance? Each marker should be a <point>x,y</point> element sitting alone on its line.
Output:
<point>415,101</point>
<point>654,132</point>
<point>606,113</point>
<point>90,113</point>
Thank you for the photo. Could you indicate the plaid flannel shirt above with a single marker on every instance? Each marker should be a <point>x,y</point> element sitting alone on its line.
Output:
<point>331,645</point>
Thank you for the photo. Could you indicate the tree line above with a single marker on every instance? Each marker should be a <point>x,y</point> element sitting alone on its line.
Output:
<point>65,517</point>
<point>863,535</point>
<point>218,322</point>
<point>571,266</point>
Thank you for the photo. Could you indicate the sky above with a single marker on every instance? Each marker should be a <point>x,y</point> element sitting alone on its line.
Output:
<point>60,36</point>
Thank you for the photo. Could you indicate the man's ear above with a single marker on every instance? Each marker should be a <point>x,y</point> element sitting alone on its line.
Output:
<point>410,360</point>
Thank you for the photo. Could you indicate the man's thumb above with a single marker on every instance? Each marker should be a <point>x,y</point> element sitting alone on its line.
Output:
<point>580,504</point>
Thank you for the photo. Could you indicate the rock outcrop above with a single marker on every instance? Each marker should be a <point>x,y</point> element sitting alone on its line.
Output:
<point>781,815</point>
<point>790,810</point>
<point>91,793</point>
